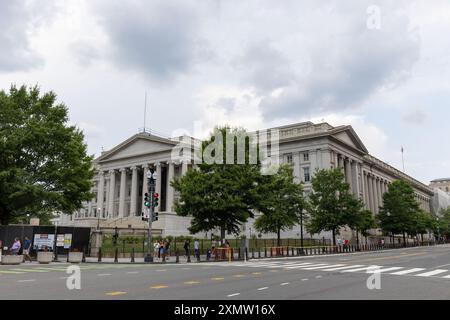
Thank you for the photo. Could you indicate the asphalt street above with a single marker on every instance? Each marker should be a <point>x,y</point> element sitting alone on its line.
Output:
<point>413,273</point>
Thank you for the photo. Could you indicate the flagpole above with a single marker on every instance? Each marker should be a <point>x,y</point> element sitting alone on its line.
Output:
<point>403,160</point>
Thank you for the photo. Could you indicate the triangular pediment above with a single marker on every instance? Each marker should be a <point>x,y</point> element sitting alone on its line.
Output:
<point>138,145</point>
<point>348,136</point>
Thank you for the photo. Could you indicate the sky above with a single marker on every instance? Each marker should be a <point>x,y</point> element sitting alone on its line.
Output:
<point>381,66</point>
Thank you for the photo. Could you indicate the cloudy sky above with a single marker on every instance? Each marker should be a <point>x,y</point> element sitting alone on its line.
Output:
<point>384,69</point>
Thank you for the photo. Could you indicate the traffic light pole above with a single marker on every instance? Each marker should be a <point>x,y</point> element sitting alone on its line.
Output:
<point>151,189</point>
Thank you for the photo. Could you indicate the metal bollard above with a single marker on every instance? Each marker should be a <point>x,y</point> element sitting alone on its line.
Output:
<point>239,253</point>
<point>198,257</point>
<point>99,255</point>
<point>253,253</point>
<point>246,253</point>
<point>259,253</point>
<point>116,255</point>
<point>132,255</point>
<point>177,259</point>
<point>265,252</point>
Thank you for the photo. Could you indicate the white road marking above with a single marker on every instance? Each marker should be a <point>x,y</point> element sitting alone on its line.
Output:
<point>305,279</point>
<point>132,272</point>
<point>103,274</point>
<point>400,273</point>
<point>323,267</point>
<point>447,277</point>
<point>233,295</point>
<point>431,273</point>
<point>311,266</point>
<point>264,288</point>
<point>318,277</point>
<point>162,270</point>
<point>361,269</point>
<point>343,268</point>
<point>384,270</point>
<point>284,284</point>
<point>29,280</point>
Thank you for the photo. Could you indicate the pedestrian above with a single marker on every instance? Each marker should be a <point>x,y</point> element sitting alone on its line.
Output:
<point>186,247</point>
<point>160,248</point>
<point>16,246</point>
<point>26,249</point>
<point>196,248</point>
<point>167,249</point>
<point>156,248</point>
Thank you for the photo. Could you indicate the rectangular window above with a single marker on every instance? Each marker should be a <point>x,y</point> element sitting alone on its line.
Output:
<point>289,159</point>
<point>306,174</point>
<point>306,157</point>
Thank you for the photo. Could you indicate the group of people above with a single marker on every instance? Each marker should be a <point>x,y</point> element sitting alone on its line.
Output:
<point>342,242</point>
<point>209,252</point>
<point>162,249</point>
<point>17,247</point>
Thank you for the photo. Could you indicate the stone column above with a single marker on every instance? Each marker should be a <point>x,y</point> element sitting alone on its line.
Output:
<point>184,166</point>
<point>158,183</point>
<point>144,184</point>
<point>100,192</point>
<point>348,174</point>
<point>355,178</point>
<point>373,194</point>
<point>123,186</point>
<point>170,191</point>
<point>296,160</point>
<point>134,191</point>
<point>364,190</point>
<point>380,194</point>
<point>112,188</point>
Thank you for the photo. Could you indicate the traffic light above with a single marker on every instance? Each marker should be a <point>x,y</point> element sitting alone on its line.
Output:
<point>146,200</point>
<point>155,200</point>
<point>155,216</point>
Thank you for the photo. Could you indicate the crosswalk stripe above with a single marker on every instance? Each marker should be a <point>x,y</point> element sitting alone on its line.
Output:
<point>384,270</point>
<point>400,273</point>
<point>447,277</point>
<point>323,267</point>
<point>303,266</point>
<point>343,268</point>
<point>431,273</point>
<point>361,269</point>
<point>291,264</point>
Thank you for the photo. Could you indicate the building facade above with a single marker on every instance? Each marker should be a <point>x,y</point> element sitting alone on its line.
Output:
<point>120,181</point>
<point>441,198</point>
<point>441,184</point>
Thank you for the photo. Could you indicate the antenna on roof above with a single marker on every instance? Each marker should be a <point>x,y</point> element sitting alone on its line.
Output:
<point>144,130</point>
<point>403,159</point>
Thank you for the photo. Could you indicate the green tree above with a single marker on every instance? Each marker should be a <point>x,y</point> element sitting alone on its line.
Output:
<point>43,162</point>
<point>219,195</point>
<point>361,221</point>
<point>281,201</point>
<point>423,223</point>
<point>398,214</point>
<point>330,203</point>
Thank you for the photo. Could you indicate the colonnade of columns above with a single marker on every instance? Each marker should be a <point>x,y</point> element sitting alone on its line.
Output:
<point>120,192</point>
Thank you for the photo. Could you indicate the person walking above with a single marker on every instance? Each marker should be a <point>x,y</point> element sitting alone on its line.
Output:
<point>156,249</point>
<point>26,250</point>
<point>196,248</point>
<point>167,250</point>
<point>16,246</point>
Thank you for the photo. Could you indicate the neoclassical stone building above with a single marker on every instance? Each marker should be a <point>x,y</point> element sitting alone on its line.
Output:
<point>119,183</point>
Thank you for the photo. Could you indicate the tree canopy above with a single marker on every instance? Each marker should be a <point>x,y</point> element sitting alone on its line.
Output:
<point>219,195</point>
<point>400,209</point>
<point>281,201</point>
<point>44,166</point>
<point>330,203</point>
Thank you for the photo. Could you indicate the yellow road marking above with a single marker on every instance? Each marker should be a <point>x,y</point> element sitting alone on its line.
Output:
<point>238,276</point>
<point>116,293</point>
<point>191,282</point>
<point>159,287</point>
<point>257,273</point>
<point>217,279</point>
<point>273,270</point>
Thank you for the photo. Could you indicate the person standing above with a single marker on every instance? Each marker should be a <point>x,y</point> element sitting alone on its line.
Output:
<point>186,247</point>
<point>16,246</point>
<point>26,249</point>
<point>156,249</point>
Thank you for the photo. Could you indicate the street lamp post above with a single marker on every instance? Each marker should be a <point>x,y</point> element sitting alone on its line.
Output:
<point>55,248</point>
<point>151,177</point>
<point>99,210</point>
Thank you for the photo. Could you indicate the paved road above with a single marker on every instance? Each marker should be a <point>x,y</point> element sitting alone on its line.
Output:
<point>414,273</point>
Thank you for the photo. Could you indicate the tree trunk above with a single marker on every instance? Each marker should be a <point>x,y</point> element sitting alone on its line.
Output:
<point>222,234</point>
<point>422,238</point>
<point>404,239</point>
<point>334,237</point>
<point>278,237</point>
<point>357,238</point>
